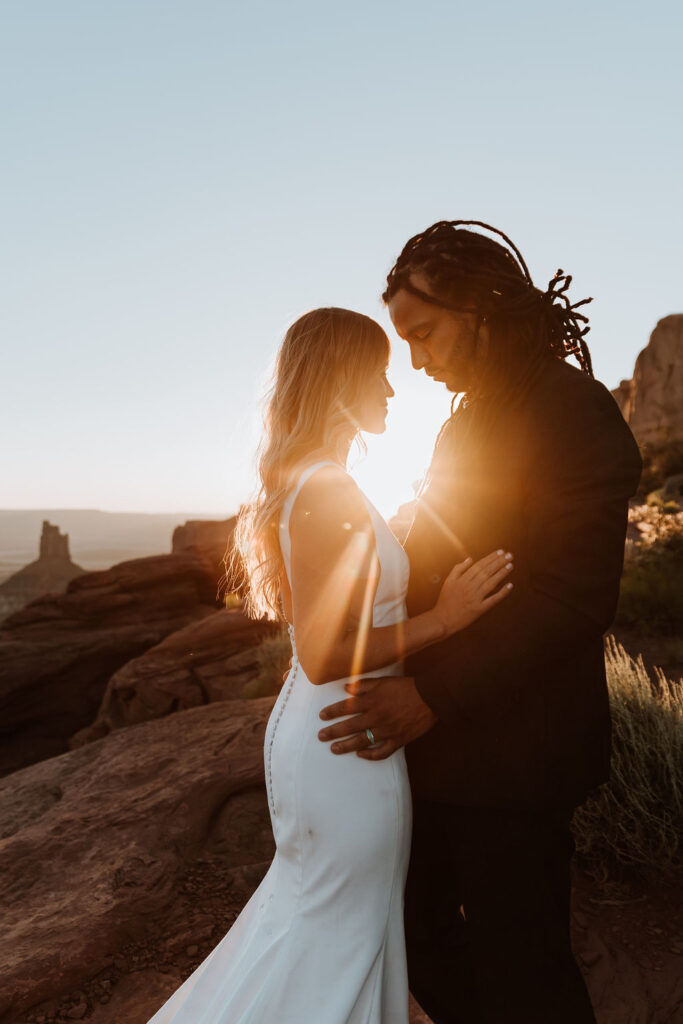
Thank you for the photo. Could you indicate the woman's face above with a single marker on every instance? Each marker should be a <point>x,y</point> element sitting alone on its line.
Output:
<point>371,410</point>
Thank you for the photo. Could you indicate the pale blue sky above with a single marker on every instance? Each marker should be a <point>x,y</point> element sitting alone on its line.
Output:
<point>182,179</point>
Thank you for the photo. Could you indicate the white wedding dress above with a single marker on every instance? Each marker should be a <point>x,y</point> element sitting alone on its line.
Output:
<point>321,940</point>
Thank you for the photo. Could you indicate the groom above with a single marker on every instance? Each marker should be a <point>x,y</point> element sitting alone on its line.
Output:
<point>506,724</point>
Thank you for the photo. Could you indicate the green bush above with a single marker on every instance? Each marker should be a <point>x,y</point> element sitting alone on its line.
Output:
<point>631,829</point>
<point>660,461</point>
<point>651,592</point>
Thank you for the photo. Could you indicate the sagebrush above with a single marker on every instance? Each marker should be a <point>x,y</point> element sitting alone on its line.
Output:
<point>631,828</point>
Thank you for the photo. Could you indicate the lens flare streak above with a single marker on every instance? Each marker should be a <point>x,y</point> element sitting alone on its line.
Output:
<point>365,623</point>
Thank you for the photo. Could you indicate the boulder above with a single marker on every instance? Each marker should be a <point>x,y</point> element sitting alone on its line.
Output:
<point>58,653</point>
<point>652,401</point>
<point>209,660</point>
<point>134,852</point>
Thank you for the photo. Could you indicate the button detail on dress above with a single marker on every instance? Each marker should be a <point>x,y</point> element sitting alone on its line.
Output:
<point>283,698</point>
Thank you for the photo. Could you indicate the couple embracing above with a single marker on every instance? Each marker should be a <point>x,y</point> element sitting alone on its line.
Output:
<point>446,709</point>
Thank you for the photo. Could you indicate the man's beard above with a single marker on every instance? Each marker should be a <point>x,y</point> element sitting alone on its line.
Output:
<point>459,370</point>
<point>458,381</point>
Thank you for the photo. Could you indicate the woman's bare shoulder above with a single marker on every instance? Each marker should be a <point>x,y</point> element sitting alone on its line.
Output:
<point>330,500</point>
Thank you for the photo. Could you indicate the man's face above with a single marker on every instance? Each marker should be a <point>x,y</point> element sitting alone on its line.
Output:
<point>442,343</point>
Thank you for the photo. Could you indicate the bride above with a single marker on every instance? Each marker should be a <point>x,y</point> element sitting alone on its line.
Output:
<point>321,940</point>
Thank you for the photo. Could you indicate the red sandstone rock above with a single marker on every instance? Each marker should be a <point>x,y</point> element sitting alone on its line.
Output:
<point>210,540</point>
<point>57,654</point>
<point>213,659</point>
<point>110,852</point>
<point>652,401</point>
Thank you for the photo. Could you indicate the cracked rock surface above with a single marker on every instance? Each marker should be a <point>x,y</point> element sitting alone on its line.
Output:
<point>58,653</point>
<point>104,848</point>
<point>208,660</point>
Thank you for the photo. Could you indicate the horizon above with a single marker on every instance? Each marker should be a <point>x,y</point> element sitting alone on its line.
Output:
<point>112,512</point>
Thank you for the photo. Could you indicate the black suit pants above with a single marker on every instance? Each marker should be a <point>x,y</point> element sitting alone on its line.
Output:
<point>487,917</point>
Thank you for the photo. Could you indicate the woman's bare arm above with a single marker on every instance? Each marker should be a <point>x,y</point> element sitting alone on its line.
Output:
<point>335,572</point>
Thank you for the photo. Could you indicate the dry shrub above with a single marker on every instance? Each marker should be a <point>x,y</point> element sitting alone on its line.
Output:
<point>651,590</point>
<point>631,829</point>
<point>273,657</point>
<point>660,461</point>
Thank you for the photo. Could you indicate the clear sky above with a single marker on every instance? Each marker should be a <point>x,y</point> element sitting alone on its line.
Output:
<point>180,180</point>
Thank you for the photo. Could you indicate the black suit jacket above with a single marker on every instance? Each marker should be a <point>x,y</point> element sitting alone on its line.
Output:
<point>521,694</point>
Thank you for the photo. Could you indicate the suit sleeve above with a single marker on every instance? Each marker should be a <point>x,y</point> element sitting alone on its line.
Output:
<point>585,467</point>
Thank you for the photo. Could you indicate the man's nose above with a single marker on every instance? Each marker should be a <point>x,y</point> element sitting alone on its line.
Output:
<point>418,355</point>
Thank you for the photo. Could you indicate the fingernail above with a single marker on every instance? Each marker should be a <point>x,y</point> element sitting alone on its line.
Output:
<point>323,715</point>
<point>509,565</point>
<point>510,586</point>
<point>335,748</point>
<point>499,552</point>
<point>509,554</point>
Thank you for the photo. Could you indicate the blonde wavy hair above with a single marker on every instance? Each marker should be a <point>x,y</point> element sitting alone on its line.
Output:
<point>321,371</point>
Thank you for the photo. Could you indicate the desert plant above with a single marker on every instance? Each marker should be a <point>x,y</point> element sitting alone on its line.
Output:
<point>273,656</point>
<point>660,461</point>
<point>631,829</point>
<point>651,591</point>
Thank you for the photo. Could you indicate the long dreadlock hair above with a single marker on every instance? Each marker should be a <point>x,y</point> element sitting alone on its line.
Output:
<point>471,273</point>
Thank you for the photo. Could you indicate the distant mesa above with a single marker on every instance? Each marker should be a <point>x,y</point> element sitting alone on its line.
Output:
<point>58,653</point>
<point>209,540</point>
<point>652,401</point>
<point>52,571</point>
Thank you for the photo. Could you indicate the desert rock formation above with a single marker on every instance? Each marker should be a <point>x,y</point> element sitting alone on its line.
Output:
<point>58,653</point>
<point>102,849</point>
<point>158,834</point>
<point>49,574</point>
<point>652,401</point>
<point>209,660</point>
<point>206,539</point>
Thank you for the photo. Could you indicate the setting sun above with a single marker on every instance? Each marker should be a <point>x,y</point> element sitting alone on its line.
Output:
<point>398,459</point>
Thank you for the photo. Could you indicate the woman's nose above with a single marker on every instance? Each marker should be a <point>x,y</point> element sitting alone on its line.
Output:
<point>388,390</point>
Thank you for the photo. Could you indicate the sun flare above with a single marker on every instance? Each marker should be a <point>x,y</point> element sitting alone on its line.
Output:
<point>397,460</point>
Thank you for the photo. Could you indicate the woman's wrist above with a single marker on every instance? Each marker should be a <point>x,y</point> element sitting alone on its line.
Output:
<point>437,625</point>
